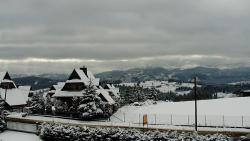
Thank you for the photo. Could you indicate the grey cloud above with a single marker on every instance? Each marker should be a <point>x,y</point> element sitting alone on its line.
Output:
<point>112,30</point>
<point>36,65</point>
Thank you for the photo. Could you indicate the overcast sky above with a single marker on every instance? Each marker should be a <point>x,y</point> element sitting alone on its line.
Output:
<point>54,36</point>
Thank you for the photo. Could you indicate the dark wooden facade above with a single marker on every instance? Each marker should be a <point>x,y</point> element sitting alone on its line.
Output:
<point>245,93</point>
<point>7,85</point>
<point>76,86</point>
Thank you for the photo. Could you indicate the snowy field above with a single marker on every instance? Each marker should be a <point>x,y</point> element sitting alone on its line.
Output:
<point>226,112</point>
<point>15,136</point>
<point>163,86</point>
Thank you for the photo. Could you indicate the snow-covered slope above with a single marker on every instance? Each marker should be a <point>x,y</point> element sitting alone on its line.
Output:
<point>163,86</point>
<point>226,106</point>
<point>227,111</point>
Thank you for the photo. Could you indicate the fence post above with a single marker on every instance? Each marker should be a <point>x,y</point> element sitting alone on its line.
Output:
<point>205,120</point>
<point>223,121</point>
<point>171,119</point>
<point>242,121</point>
<point>155,119</point>
<point>139,119</point>
<point>124,117</point>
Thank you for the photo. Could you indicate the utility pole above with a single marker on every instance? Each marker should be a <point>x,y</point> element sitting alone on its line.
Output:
<point>195,95</point>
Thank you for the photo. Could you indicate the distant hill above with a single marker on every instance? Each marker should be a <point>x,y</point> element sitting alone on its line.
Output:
<point>206,75</point>
<point>60,77</point>
<point>134,75</point>
<point>37,82</point>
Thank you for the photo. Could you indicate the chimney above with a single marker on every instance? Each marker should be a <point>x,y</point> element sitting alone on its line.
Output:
<point>84,69</point>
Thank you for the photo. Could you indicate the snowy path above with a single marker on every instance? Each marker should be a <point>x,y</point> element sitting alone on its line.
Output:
<point>39,119</point>
<point>15,136</point>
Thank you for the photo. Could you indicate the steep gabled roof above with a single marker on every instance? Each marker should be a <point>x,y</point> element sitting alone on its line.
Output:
<point>59,85</point>
<point>79,76</point>
<point>108,86</point>
<point>55,88</point>
<point>15,97</point>
<point>27,88</point>
<point>4,75</point>
<point>82,76</point>
<point>113,89</point>
<point>105,94</point>
<point>59,93</point>
<point>91,77</point>
<point>74,75</point>
<point>86,77</point>
<point>5,78</point>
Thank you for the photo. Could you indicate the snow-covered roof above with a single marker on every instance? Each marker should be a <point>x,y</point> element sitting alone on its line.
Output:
<point>15,97</point>
<point>106,95</point>
<point>109,86</point>
<point>85,78</point>
<point>25,88</point>
<point>7,81</point>
<point>113,89</point>
<point>82,75</point>
<point>103,92</point>
<point>91,77</point>
<point>76,81</point>
<point>4,80</point>
<point>59,85</point>
<point>116,92</point>
<point>68,93</point>
<point>52,91</point>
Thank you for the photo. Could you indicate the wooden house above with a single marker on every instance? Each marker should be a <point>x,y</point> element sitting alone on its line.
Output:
<point>15,97</point>
<point>77,83</point>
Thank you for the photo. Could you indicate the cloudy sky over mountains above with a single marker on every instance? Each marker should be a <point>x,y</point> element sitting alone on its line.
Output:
<point>43,36</point>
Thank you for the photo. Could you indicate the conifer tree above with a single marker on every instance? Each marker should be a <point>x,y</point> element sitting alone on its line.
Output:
<point>91,105</point>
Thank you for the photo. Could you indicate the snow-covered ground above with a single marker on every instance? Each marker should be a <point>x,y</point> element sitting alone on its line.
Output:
<point>231,112</point>
<point>220,113</point>
<point>240,83</point>
<point>182,92</point>
<point>225,95</point>
<point>15,136</point>
<point>163,86</point>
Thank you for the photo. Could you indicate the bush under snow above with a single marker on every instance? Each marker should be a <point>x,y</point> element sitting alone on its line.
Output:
<point>58,132</point>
